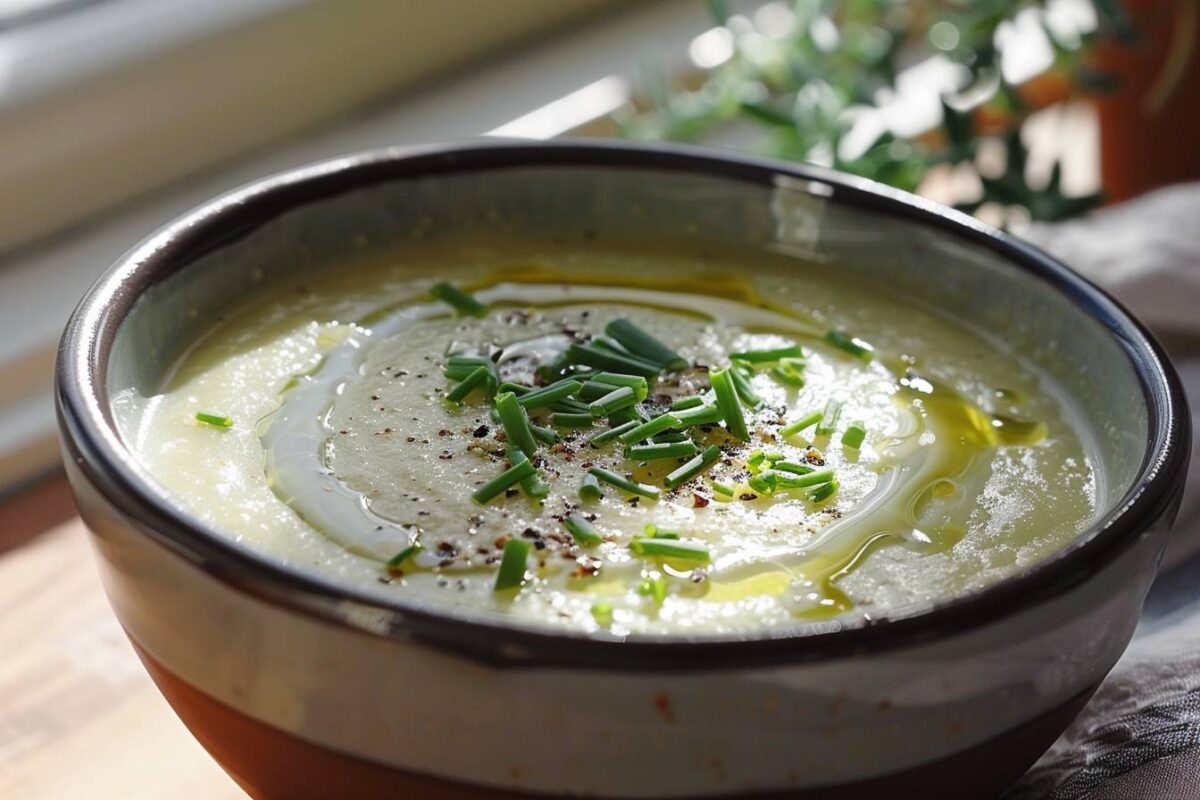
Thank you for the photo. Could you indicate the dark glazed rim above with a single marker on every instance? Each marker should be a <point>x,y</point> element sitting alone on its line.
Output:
<point>92,441</point>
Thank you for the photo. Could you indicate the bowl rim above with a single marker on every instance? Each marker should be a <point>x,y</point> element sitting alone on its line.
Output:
<point>93,444</point>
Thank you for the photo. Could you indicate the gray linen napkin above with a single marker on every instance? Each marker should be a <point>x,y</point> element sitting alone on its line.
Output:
<point>1139,737</point>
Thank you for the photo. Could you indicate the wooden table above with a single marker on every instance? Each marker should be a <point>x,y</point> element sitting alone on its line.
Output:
<point>78,715</point>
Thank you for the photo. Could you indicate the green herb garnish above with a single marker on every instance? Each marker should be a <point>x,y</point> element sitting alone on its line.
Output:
<point>398,560</point>
<point>745,391</point>
<point>854,435</point>
<point>593,356</point>
<point>602,612</point>
<point>768,355</point>
<point>515,422</point>
<point>543,435</point>
<point>589,488</point>
<point>582,531</point>
<point>617,399</point>
<point>701,415</point>
<point>829,418</point>
<point>613,433</point>
<point>693,467</point>
<point>670,548</point>
<point>505,480</point>
<point>216,420</point>
<point>572,420</point>
<point>636,340</point>
<point>687,402</point>
<point>548,395</point>
<point>655,587</point>
<point>635,382</point>
<point>624,483</point>
<point>727,402</point>
<point>653,452</point>
<point>850,344</point>
<point>457,299</point>
<point>476,380</point>
<point>647,429</point>
<point>512,565</point>
<point>823,492</point>
<point>807,421</point>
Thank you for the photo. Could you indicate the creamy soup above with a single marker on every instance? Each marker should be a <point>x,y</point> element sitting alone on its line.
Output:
<point>619,439</point>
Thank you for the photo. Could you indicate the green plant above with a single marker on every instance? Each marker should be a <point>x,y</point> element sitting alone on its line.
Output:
<point>802,89</point>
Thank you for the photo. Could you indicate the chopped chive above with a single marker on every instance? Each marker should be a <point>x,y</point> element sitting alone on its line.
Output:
<point>533,486</point>
<point>552,370</point>
<point>623,415</point>
<point>764,483</point>
<point>582,531</point>
<point>823,492</point>
<point>458,299</point>
<point>549,394</point>
<point>636,340</point>
<point>773,457</point>
<point>651,452</point>
<point>670,548</point>
<point>793,467</point>
<point>787,480</point>
<point>745,392</point>
<point>670,437</point>
<point>614,362</point>
<point>654,587</point>
<point>543,435</point>
<point>727,402</point>
<point>589,488</point>
<point>594,390</point>
<point>850,344</point>
<point>624,483</point>
<point>519,389</point>
<point>829,418</point>
<point>693,467</point>
<point>467,385</point>
<point>768,355</point>
<point>647,429</point>
<point>216,420</point>
<point>515,422</point>
<point>854,435</point>
<point>505,480</point>
<point>652,531</point>
<point>755,458</point>
<point>621,397</point>
<point>687,402</point>
<point>721,488</point>
<point>398,560</point>
<point>806,421</point>
<point>512,565</point>
<point>563,419</point>
<point>602,612</point>
<point>613,433</point>
<point>459,367</point>
<point>568,406</point>
<point>635,382</point>
<point>790,371</point>
<point>610,344</point>
<point>701,415</point>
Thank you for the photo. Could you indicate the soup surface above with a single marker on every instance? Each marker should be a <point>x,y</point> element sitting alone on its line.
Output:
<point>616,438</point>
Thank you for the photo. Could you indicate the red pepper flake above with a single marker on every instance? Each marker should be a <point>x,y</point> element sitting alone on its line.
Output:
<point>699,500</point>
<point>662,704</point>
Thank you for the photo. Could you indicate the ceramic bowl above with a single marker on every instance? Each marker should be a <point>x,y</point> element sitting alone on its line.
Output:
<point>303,688</point>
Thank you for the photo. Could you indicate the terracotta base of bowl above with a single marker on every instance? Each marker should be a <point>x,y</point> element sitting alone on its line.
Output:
<point>273,765</point>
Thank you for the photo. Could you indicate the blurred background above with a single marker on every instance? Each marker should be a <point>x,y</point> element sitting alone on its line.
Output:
<point>117,115</point>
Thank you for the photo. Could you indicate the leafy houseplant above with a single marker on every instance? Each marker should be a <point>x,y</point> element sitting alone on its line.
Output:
<point>812,82</point>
